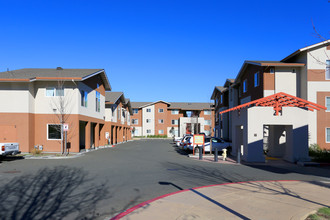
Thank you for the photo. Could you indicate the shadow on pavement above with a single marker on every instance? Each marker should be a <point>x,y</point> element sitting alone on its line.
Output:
<point>51,194</point>
<point>10,158</point>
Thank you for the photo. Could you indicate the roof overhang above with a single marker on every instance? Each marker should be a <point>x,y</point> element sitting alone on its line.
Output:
<point>277,101</point>
<point>152,103</point>
<point>323,43</point>
<point>264,64</point>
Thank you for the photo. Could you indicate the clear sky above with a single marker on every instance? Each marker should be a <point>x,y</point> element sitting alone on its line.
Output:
<point>171,50</point>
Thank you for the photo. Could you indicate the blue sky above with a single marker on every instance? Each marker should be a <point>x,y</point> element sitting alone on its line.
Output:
<point>172,50</point>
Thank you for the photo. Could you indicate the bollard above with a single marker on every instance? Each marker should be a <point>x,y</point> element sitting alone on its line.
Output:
<point>216,155</point>
<point>224,154</point>
<point>200,153</point>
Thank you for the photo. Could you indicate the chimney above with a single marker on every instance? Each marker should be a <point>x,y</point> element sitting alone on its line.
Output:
<point>59,68</point>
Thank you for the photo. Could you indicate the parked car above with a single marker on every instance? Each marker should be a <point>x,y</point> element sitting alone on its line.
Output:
<point>184,141</point>
<point>177,140</point>
<point>217,143</point>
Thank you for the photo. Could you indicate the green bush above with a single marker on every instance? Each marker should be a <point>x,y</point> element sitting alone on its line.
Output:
<point>318,154</point>
<point>157,136</point>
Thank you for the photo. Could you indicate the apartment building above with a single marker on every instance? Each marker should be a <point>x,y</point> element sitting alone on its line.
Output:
<point>175,118</point>
<point>37,102</point>
<point>292,121</point>
<point>118,113</point>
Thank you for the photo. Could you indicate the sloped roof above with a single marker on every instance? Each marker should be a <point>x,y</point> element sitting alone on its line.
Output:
<point>311,47</point>
<point>112,97</point>
<point>139,104</point>
<point>39,74</point>
<point>217,89</point>
<point>264,63</point>
<point>152,103</point>
<point>190,105</point>
<point>277,101</point>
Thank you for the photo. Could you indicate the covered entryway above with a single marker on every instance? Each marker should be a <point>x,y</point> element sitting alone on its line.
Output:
<point>276,125</point>
<point>82,135</point>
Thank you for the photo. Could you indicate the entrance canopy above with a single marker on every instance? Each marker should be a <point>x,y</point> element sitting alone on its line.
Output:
<point>277,101</point>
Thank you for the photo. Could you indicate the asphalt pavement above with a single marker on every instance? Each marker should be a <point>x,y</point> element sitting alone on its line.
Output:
<point>103,183</point>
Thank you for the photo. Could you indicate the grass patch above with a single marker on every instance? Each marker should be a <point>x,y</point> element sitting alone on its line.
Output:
<point>151,136</point>
<point>321,214</point>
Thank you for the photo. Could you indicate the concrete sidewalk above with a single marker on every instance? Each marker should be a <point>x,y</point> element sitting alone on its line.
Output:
<point>246,200</point>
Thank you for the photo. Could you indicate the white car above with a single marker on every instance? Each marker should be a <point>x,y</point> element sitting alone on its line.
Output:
<point>217,143</point>
<point>185,141</point>
<point>177,141</point>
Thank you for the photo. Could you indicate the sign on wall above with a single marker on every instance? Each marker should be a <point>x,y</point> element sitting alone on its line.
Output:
<point>65,127</point>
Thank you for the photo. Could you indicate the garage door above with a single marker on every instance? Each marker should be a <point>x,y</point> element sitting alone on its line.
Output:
<point>8,133</point>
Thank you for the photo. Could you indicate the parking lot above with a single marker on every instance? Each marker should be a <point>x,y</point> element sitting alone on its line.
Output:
<point>102,183</point>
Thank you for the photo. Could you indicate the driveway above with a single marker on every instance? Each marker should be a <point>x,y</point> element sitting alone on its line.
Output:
<point>103,183</point>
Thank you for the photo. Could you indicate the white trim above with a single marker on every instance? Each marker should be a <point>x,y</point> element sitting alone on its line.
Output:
<point>47,133</point>
<point>152,103</point>
<point>326,103</point>
<point>326,135</point>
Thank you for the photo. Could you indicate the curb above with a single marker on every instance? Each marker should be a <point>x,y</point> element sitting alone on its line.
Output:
<point>71,156</point>
<point>130,210</point>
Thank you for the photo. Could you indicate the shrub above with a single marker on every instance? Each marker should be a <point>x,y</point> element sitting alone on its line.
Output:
<point>318,154</point>
<point>36,151</point>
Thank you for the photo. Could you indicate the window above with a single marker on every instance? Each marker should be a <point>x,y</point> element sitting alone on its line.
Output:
<point>327,103</point>
<point>148,131</point>
<point>207,112</point>
<point>98,102</point>
<point>221,98</point>
<point>175,122</point>
<point>160,131</point>
<point>148,120</point>
<point>52,91</point>
<point>231,94</point>
<point>83,98</point>
<point>207,122</point>
<point>54,132</point>
<point>175,112</point>
<point>244,86</point>
<point>148,109</point>
<point>271,70</point>
<point>160,121</point>
<point>160,110</point>
<point>135,110</point>
<point>327,71</point>
<point>118,112</point>
<point>327,131</point>
<point>135,121</point>
<point>256,79</point>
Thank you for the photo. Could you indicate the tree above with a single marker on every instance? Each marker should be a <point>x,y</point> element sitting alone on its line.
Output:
<point>62,111</point>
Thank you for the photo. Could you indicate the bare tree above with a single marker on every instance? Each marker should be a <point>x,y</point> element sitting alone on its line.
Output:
<point>61,106</point>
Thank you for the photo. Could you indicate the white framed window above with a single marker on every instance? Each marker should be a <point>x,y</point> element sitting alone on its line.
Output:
<point>53,132</point>
<point>84,99</point>
<point>207,112</point>
<point>135,110</point>
<point>160,121</point>
<point>256,79</point>
<point>160,110</point>
<point>327,135</point>
<point>175,122</point>
<point>148,110</point>
<point>244,86</point>
<point>327,103</point>
<point>135,121</point>
<point>52,91</point>
<point>327,70</point>
<point>271,70</point>
<point>97,101</point>
<point>207,122</point>
<point>148,131</point>
<point>148,120</point>
<point>160,131</point>
<point>174,111</point>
